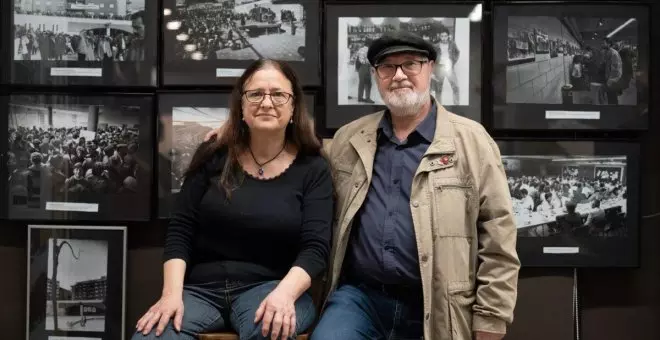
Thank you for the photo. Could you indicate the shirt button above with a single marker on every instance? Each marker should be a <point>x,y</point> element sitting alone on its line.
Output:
<point>427,316</point>
<point>425,258</point>
<point>415,204</point>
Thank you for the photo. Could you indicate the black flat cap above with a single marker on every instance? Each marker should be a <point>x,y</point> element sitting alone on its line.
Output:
<point>398,42</point>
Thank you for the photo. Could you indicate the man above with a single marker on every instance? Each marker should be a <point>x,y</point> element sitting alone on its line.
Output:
<point>612,71</point>
<point>424,244</point>
<point>448,54</point>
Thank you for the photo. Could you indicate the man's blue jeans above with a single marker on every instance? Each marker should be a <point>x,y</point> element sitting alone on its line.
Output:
<point>230,308</point>
<point>361,312</point>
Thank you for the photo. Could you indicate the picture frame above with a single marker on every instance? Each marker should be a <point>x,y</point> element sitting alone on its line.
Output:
<point>576,203</point>
<point>50,175</point>
<point>184,119</point>
<point>356,18</point>
<point>551,69</point>
<point>76,282</point>
<point>88,44</point>
<point>189,60</point>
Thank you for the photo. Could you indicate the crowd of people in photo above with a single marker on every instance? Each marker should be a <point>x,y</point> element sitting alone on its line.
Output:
<point>100,44</point>
<point>613,67</point>
<point>61,165</point>
<point>214,27</point>
<point>568,203</point>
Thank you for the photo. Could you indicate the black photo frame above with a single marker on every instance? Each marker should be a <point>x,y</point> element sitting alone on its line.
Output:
<point>200,113</point>
<point>125,61</point>
<point>121,192</point>
<point>229,63</point>
<point>90,282</point>
<point>465,19</point>
<point>542,78</point>
<point>550,237</point>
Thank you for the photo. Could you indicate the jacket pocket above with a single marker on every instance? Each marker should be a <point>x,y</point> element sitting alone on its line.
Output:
<point>461,297</point>
<point>453,201</point>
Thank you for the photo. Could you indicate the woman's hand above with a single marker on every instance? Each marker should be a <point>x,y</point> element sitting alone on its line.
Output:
<point>160,313</point>
<point>278,313</point>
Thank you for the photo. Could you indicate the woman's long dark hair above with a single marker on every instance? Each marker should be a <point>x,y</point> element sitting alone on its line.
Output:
<point>235,136</point>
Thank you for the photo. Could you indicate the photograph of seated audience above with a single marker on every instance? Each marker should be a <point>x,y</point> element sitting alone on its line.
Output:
<point>575,196</point>
<point>70,153</point>
<point>237,30</point>
<point>572,60</point>
<point>101,30</point>
<point>450,36</point>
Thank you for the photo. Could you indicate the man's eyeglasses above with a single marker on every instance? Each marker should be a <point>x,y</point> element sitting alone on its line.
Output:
<point>277,97</point>
<point>410,68</point>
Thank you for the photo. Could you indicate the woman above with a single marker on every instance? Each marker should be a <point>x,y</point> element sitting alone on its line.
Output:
<point>251,225</point>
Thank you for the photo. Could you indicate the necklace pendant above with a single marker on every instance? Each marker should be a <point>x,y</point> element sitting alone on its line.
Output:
<point>261,171</point>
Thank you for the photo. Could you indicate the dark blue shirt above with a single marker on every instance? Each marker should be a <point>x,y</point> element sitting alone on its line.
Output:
<point>383,248</point>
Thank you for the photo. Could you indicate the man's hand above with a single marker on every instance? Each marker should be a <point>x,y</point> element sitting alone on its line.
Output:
<point>487,336</point>
<point>217,132</point>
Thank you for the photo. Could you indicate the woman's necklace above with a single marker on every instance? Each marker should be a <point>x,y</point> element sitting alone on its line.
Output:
<point>261,165</point>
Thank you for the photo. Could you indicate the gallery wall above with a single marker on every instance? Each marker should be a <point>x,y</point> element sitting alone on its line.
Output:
<point>612,303</point>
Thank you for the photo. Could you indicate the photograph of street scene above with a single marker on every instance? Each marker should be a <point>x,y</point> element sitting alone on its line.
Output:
<point>236,30</point>
<point>79,30</point>
<point>76,285</point>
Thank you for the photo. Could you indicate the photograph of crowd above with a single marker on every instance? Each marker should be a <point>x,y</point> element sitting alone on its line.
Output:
<point>68,30</point>
<point>572,60</point>
<point>189,126</point>
<point>72,153</point>
<point>76,282</point>
<point>450,36</point>
<point>568,196</point>
<point>236,30</point>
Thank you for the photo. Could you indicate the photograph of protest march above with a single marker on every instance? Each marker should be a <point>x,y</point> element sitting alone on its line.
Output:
<point>217,39</point>
<point>576,198</point>
<point>76,280</point>
<point>571,67</point>
<point>450,36</point>
<point>74,41</point>
<point>73,157</point>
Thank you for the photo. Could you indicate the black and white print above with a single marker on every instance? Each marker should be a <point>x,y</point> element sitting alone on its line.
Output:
<point>581,196</point>
<point>92,31</point>
<point>189,126</point>
<point>76,285</point>
<point>237,30</point>
<point>74,157</point>
<point>450,36</point>
<point>76,282</point>
<point>572,60</point>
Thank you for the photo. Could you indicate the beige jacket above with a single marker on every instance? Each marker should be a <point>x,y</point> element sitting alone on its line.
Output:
<point>463,221</point>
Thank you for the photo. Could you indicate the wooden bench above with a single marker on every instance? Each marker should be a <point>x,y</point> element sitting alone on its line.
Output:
<point>234,336</point>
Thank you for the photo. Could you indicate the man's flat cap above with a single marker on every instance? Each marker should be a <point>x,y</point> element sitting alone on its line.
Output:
<point>399,42</point>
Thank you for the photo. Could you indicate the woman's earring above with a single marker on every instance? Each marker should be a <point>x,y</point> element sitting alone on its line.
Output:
<point>291,121</point>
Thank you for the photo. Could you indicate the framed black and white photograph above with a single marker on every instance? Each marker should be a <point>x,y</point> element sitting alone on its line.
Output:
<point>72,42</point>
<point>575,67</point>
<point>455,31</point>
<point>575,203</point>
<point>184,120</point>
<point>76,282</point>
<point>211,42</point>
<point>79,157</point>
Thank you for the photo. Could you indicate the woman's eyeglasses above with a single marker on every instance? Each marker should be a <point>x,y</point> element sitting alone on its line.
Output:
<point>277,97</point>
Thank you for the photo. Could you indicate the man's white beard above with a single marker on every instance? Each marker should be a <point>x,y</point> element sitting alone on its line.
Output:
<point>406,103</point>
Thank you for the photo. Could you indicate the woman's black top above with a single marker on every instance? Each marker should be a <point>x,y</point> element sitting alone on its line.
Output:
<point>265,228</point>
